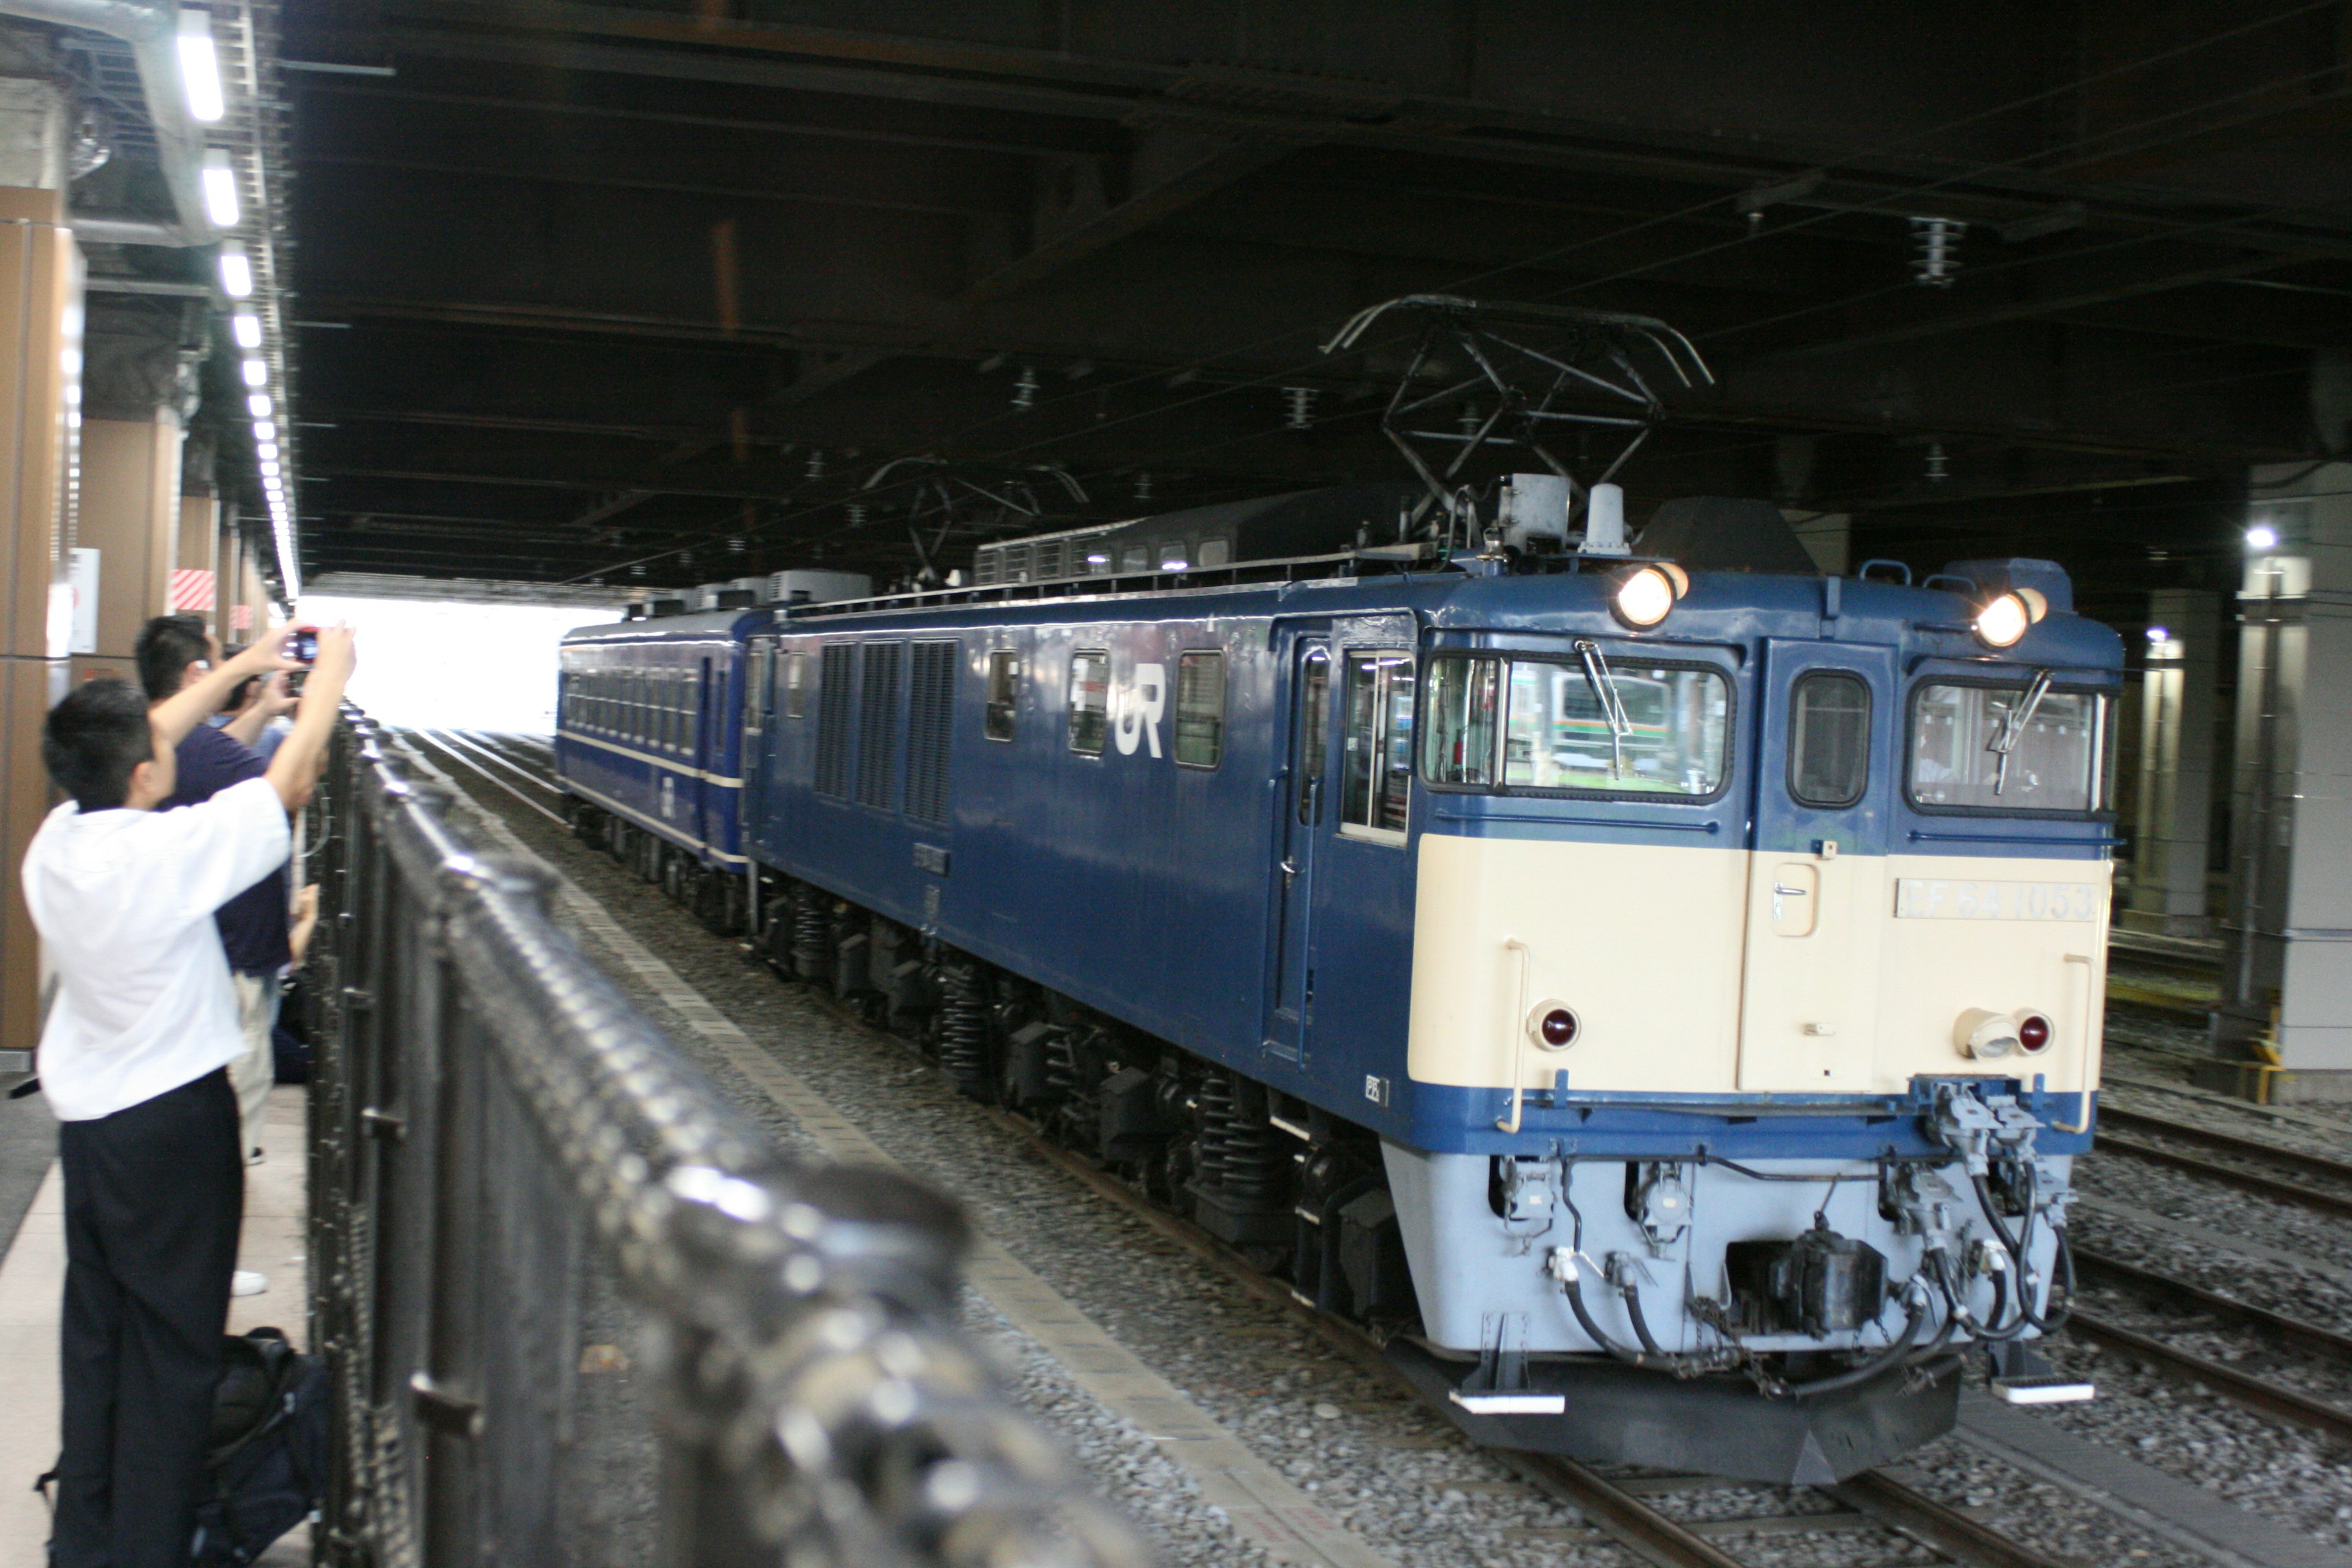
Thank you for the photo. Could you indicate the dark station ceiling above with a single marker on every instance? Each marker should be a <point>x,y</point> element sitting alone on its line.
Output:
<point>674,293</point>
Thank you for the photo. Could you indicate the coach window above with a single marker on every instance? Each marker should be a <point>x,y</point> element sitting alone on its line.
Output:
<point>1378,748</point>
<point>1829,739</point>
<point>1003,694</point>
<point>1216,552</point>
<point>1175,555</point>
<point>1135,558</point>
<point>796,685</point>
<point>1200,710</point>
<point>1089,701</point>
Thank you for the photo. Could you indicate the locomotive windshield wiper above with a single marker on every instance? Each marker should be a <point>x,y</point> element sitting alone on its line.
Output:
<point>2013,725</point>
<point>1604,682</point>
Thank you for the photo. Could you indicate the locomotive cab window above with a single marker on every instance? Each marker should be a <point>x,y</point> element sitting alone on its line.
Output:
<point>1200,710</point>
<point>1089,701</point>
<point>1583,726</point>
<point>1376,750</point>
<point>1829,739</point>
<point>1003,694</point>
<point>2009,748</point>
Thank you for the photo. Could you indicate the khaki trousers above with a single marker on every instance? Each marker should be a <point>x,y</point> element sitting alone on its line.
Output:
<point>255,1070</point>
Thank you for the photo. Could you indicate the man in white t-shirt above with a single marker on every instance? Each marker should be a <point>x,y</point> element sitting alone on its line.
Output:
<point>133,1058</point>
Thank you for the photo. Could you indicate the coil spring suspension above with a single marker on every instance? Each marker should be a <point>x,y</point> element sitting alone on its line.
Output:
<point>963,1029</point>
<point>1239,1156</point>
<point>809,941</point>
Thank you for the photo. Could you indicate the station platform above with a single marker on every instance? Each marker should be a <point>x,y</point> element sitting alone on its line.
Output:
<point>32,1279</point>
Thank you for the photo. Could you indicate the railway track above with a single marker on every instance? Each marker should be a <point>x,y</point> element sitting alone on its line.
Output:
<point>2129,1131</point>
<point>2262,1395</point>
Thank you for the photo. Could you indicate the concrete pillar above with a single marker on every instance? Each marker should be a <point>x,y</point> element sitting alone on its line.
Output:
<point>131,515</point>
<point>2174,803</point>
<point>2287,982</point>
<point>40,361</point>
<point>195,563</point>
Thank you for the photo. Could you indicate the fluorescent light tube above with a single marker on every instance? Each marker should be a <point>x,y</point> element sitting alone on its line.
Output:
<point>220,188</point>
<point>200,68</point>
<point>237,272</point>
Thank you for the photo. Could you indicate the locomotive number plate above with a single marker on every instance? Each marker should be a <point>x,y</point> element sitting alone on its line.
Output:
<point>1953,898</point>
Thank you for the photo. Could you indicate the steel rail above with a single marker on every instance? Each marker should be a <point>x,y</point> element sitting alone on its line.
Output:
<point>467,762</point>
<point>536,781</point>
<point>2239,1387</point>
<point>2337,1203</point>
<point>2307,1336</point>
<point>2228,1143</point>
<point>1938,1528</point>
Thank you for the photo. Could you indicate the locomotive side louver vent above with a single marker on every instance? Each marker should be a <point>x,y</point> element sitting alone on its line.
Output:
<point>878,714</point>
<point>833,719</point>
<point>930,706</point>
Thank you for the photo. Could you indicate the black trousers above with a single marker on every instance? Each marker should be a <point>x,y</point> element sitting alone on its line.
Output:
<point>154,1196</point>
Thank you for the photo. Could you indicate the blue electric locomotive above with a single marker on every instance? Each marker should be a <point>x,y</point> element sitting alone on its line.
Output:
<point>1661,993</point>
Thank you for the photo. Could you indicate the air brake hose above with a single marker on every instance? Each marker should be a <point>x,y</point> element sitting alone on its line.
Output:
<point>1895,1354</point>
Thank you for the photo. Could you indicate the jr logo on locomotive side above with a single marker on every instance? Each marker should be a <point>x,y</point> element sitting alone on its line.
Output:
<point>1139,709</point>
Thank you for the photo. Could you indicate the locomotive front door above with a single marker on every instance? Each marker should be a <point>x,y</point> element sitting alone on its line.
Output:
<point>1817,869</point>
<point>1299,799</point>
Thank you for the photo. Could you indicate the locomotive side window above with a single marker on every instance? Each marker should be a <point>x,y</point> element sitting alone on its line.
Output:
<point>1377,752</point>
<point>1829,739</point>
<point>796,685</point>
<point>1465,698</point>
<point>1003,694</point>
<point>1089,701</point>
<point>2009,748</point>
<point>1200,710</point>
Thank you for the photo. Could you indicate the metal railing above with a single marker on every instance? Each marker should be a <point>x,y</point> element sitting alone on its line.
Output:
<point>577,1310</point>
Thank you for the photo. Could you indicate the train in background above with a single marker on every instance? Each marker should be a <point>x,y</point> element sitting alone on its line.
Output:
<point>1657,988</point>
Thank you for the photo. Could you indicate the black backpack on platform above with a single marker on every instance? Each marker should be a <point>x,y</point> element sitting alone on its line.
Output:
<point>266,1466</point>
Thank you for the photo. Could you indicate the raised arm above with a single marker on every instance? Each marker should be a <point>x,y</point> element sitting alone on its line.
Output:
<point>175,716</point>
<point>269,698</point>
<point>294,767</point>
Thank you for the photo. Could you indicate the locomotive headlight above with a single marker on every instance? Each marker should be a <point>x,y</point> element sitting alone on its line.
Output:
<point>1645,594</point>
<point>1988,1035</point>
<point>2005,619</point>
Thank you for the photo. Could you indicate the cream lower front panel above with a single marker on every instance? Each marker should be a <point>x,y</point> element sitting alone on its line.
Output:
<point>1641,942</point>
<point>1706,970</point>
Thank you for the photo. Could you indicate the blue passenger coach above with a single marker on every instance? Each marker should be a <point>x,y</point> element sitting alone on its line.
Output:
<point>1663,996</point>
<point>649,732</point>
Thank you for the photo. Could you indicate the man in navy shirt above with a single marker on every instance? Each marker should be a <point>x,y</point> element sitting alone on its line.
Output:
<point>173,652</point>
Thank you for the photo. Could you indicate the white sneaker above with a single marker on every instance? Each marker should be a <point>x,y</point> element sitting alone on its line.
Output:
<point>246,1282</point>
